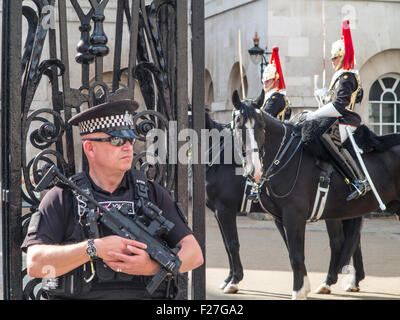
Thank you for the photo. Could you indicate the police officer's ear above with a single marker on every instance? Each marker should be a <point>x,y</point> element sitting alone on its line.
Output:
<point>260,100</point>
<point>87,148</point>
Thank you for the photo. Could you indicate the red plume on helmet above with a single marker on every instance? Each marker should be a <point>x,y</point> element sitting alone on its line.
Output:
<point>348,61</point>
<point>275,60</point>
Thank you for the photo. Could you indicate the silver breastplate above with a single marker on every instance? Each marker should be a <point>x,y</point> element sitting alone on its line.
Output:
<point>332,93</point>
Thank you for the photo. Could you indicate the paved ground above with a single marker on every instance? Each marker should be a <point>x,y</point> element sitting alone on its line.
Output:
<point>267,272</point>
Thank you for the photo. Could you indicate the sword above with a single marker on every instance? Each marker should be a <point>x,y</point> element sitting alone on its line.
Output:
<point>358,152</point>
<point>240,64</point>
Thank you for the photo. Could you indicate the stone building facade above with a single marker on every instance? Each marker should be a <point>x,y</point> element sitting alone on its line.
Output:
<point>297,28</point>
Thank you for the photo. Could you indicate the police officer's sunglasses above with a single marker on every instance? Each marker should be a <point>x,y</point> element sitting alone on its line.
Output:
<point>115,141</point>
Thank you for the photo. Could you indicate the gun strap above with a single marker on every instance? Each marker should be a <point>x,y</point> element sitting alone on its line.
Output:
<point>85,209</point>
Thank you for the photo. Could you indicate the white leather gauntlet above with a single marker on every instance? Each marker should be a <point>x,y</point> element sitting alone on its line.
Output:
<point>327,110</point>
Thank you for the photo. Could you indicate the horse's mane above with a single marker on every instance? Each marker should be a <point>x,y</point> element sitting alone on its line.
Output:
<point>289,125</point>
<point>212,124</point>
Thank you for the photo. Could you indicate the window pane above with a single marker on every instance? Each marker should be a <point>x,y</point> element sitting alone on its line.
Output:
<point>398,113</point>
<point>387,129</point>
<point>375,92</point>
<point>387,112</point>
<point>388,96</point>
<point>374,112</point>
<point>389,82</point>
<point>397,91</point>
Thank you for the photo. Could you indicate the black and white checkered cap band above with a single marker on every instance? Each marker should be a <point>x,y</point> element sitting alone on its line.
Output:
<point>105,123</point>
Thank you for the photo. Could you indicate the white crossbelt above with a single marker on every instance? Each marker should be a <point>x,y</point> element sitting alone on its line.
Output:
<point>319,203</point>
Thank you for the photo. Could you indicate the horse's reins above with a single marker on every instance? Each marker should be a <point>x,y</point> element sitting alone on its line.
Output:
<point>268,174</point>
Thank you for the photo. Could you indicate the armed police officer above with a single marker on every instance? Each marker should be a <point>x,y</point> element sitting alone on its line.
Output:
<point>343,93</point>
<point>275,101</point>
<point>60,239</point>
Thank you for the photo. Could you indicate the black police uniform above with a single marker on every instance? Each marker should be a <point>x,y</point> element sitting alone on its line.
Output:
<point>59,225</point>
<point>58,220</point>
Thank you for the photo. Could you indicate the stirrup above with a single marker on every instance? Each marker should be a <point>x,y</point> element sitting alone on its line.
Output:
<point>253,197</point>
<point>361,188</point>
<point>254,193</point>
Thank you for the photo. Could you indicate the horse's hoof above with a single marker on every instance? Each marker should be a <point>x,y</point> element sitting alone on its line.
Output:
<point>353,289</point>
<point>223,285</point>
<point>303,292</point>
<point>323,289</point>
<point>299,295</point>
<point>231,288</point>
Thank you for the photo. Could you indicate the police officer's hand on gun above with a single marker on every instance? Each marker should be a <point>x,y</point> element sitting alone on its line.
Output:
<point>126,255</point>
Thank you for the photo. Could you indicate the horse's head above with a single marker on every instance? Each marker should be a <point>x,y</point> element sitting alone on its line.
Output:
<point>249,132</point>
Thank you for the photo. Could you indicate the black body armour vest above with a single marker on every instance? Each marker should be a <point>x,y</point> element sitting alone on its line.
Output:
<point>95,280</point>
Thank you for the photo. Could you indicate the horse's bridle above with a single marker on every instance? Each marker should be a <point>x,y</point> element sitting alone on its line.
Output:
<point>282,150</point>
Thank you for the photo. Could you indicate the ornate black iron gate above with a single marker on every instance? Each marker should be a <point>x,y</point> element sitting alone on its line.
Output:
<point>155,62</point>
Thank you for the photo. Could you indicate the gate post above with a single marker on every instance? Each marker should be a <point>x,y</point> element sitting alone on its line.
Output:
<point>182,104</point>
<point>198,113</point>
<point>157,65</point>
<point>11,148</point>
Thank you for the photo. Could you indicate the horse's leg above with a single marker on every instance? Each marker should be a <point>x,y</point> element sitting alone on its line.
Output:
<point>281,230</point>
<point>221,229</point>
<point>336,240</point>
<point>295,232</point>
<point>352,232</point>
<point>228,227</point>
<point>359,266</point>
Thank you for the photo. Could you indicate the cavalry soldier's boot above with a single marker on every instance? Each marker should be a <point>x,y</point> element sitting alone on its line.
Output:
<point>343,160</point>
<point>253,195</point>
<point>360,184</point>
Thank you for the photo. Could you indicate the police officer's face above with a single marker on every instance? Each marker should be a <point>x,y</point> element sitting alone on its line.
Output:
<point>107,156</point>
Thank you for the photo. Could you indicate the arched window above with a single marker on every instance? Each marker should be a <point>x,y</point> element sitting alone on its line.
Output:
<point>384,105</point>
<point>208,88</point>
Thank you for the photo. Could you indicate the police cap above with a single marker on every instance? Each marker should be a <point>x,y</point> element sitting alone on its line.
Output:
<point>114,118</point>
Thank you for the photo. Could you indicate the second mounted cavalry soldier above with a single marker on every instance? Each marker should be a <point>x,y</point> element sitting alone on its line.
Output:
<point>275,102</point>
<point>343,94</point>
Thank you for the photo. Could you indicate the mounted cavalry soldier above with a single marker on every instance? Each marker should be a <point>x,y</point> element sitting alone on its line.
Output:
<point>275,101</point>
<point>343,93</point>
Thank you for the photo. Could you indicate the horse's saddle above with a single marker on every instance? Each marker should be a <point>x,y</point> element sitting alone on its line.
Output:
<point>366,139</point>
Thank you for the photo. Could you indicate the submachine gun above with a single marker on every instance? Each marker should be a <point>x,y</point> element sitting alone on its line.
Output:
<point>145,226</point>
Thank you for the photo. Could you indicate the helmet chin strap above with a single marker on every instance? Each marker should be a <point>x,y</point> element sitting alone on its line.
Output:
<point>340,63</point>
<point>273,83</point>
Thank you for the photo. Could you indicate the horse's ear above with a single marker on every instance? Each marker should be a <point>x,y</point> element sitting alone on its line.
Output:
<point>236,100</point>
<point>260,100</point>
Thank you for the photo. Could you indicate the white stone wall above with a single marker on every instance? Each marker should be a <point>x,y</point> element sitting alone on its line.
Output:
<point>223,20</point>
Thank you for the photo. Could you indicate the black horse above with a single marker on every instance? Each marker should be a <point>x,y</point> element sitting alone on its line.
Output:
<point>292,202</point>
<point>225,189</point>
